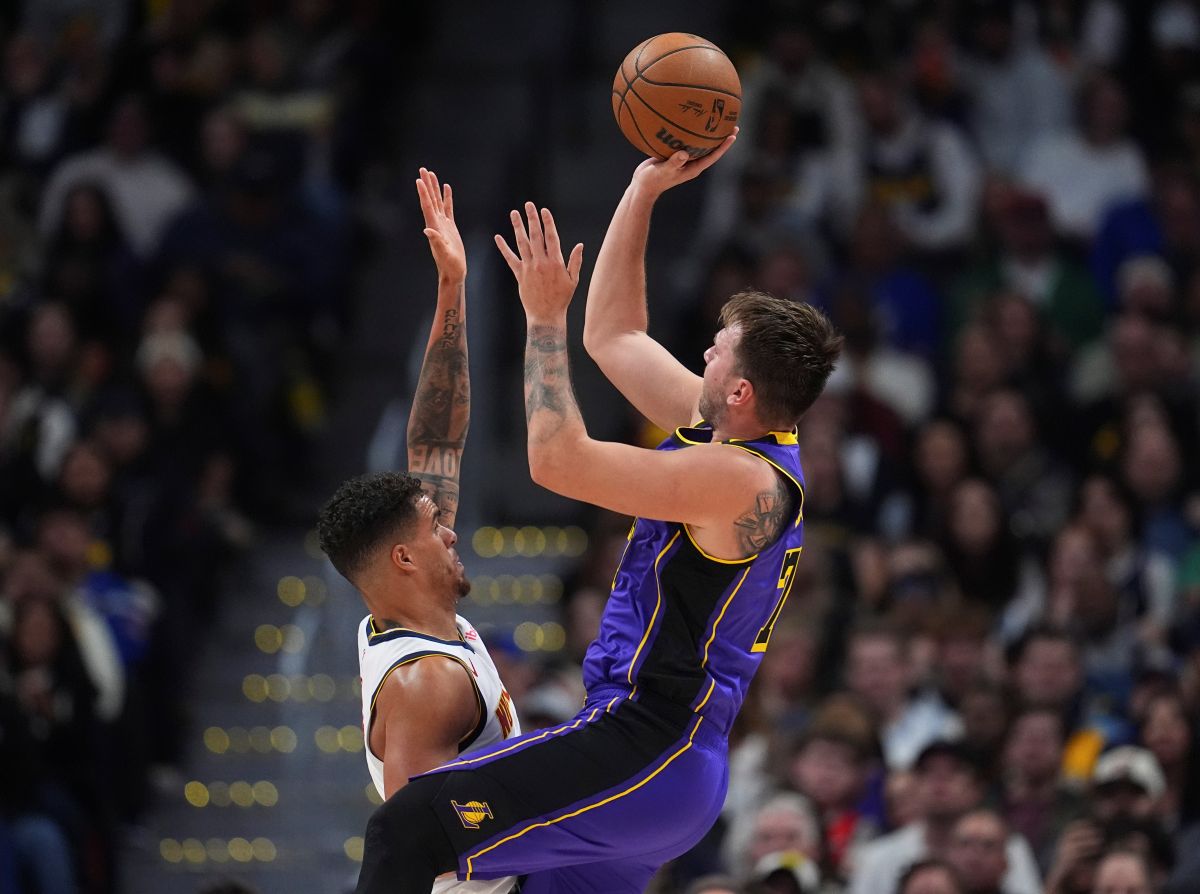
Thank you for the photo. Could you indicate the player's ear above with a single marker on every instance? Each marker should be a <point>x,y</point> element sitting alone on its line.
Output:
<point>402,558</point>
<point>741,395</point>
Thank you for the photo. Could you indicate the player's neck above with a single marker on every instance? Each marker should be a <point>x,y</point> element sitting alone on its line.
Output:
<point>432,620</point>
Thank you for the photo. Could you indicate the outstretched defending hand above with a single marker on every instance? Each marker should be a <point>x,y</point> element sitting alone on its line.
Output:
<point>437,204</point>
<point>656,176</point>
<point>545,282</point>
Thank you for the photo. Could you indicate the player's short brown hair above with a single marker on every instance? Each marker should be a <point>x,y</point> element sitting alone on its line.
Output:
<point>786,350</point>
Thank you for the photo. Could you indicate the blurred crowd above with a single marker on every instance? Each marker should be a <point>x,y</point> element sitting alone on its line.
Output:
<point>174,248</point>
<point>987,678</point>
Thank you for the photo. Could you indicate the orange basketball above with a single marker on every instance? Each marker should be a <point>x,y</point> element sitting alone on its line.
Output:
<point>676,91</point>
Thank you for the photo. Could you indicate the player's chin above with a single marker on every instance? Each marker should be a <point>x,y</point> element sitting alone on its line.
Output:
<point>464,586</point>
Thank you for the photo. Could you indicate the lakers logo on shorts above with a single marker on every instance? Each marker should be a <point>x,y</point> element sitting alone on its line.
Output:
<point>472,813</point>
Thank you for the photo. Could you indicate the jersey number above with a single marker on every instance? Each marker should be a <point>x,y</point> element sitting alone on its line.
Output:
<point>787,577</point>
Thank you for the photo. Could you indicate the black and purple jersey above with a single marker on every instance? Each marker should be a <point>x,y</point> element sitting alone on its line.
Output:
<point>687,626</point>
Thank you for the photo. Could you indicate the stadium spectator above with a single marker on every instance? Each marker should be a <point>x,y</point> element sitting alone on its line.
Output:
<point>1085,172</point>
<point>948,788</point>
<point>978,852</point>
<point>879,671</point>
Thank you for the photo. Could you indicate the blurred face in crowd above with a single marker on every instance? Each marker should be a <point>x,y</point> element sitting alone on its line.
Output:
<point>782,829</point>
<point>51,339</point>
<point>789,664</point>
<point>979,365</point>
<point>941,456</point>
<point>37,633</point>
<point>1104,513</point>
<point>1166,731</point>
<point>1017,329</point>
<point>978,851</point>
<point>1105,112</point>
<point>1152,464</point>
<point>946,788</point>
<point>829,772</point>
<point>222,141</point>
<point>84,214</point>
<point>1033,753</point>
<point>975,518</point>
<point>30,577</point>
<point>1048,673</point>
<point>123,436</point>
<point>880,102</point>
<point>878,672</point>
<point>931,880</point>
<point>900,795</point>
<point>984,716</point>
<point>1121,874</point>
<point>784,272</point>
<point>876,243</point>
<point>127,130</point>
<point>960,659</point>
<point>64,538</point>
<point>1133,344</point>
<point>1122,798</point>
<point>791,48</point>
<point>1075,559</point>
<point>1004,431</point>
<point>85,476</point>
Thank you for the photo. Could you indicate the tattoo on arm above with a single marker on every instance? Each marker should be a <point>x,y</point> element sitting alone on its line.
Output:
<point>441,410</point>
<point>549,400</point>
<point>757,528</point>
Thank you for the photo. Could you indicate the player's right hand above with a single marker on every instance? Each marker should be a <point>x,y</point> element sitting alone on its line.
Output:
<point>437,204</point>
<point>655,176</point>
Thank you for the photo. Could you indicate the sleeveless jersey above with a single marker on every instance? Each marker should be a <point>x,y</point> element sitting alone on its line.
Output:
<point>381,652</point>
<point>687,626</point>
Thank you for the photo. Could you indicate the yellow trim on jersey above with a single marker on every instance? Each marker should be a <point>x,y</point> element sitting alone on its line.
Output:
<point>679,433</point>
<point>657,606</point>
<point>608,707</point>
<point>566,728</point>
<point>621,561</point>
<point>711,558</point>
<point>790,477</point>
<point>712,684</point>
<point>745,574</point>
<point>585,809</point>
<point>480,703</point>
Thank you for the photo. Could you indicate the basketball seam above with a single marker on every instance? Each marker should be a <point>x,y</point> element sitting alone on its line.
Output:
<point>736,96</point>
<point>703,136</point>
<point>633,119</point>
<point>694,46</point>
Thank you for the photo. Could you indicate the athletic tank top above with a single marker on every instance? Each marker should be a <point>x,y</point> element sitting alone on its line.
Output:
<point>689,627</point>
<point>382,651</point>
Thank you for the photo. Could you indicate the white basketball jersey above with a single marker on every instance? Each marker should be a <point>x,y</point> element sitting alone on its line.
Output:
<point>382,651</point>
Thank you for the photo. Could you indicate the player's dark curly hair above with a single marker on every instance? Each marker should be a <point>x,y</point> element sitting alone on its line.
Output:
<point>787,350</point>
<point>362,513</point>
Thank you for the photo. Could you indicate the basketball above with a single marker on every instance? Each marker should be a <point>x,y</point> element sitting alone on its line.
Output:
<point>676,91</point>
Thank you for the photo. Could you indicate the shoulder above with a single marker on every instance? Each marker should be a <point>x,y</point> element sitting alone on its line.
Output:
<point>436,686</point>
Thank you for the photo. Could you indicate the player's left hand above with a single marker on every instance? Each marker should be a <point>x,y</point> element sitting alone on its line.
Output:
<point>546,283</point>
<point>437,204</point>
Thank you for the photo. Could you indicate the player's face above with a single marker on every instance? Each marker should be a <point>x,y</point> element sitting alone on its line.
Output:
<point>435,544</point>
<point>719,374</point>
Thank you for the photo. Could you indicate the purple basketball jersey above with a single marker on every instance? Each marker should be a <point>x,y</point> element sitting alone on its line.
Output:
<point>687,626</point>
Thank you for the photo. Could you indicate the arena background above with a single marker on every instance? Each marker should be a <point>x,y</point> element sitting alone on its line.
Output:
<point>214,292</point>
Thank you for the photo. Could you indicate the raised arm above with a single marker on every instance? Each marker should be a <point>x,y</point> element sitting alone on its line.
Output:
<point>615,327</point>
<point>441,408</point>
<point>707,486</point>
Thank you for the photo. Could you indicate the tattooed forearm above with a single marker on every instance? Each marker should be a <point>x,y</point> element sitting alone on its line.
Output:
<point>758,527</point>
<point>442,401</point>
<point>547,383</point>
<point>441,409</point>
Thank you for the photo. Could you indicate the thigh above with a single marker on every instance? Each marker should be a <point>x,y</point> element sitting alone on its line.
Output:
<point>612,877</point>
<point>616,788</point>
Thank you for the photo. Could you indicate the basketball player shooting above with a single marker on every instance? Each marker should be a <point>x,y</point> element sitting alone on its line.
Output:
<point>639,775</point>
<point>430,690</point>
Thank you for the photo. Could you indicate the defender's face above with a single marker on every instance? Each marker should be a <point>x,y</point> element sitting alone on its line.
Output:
<point>433,547</point>
<point>720,372</point>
